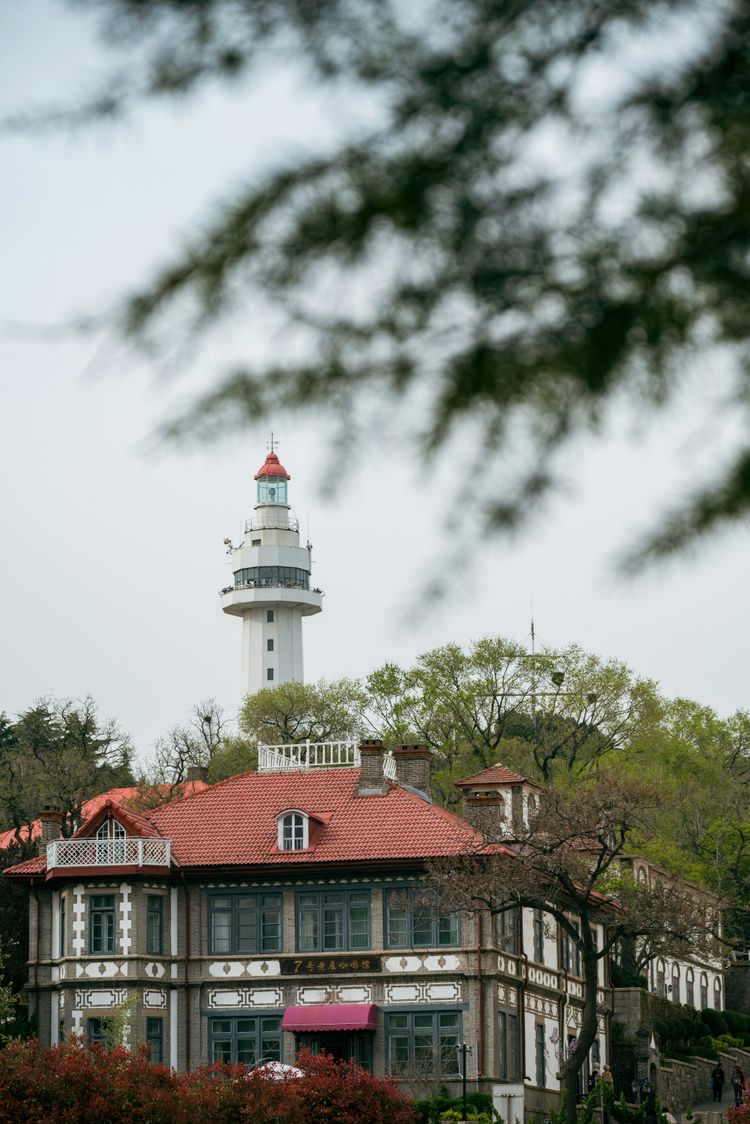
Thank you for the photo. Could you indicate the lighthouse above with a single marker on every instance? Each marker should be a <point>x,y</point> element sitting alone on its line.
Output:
<point>271,585</point>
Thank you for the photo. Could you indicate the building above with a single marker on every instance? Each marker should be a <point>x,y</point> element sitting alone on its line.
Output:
<point>270,589</point>
<point>286,908</point>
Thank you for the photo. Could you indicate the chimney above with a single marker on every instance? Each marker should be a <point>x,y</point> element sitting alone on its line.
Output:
<point>413,767</point>
<point>485,811</point>
<point>371,777</point>
<point>51,817</point>
<point>197,773</point>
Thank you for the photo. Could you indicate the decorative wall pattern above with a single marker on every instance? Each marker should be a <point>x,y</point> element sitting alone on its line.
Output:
<point>332,993</point>
<point>231,969</point>
<point>154,970</point>
<point>220,998</point>
<point>100,997</point>
<point>544,976</point>
<point>422,993</point>
<point>155,998</point>
<point>79,910</point>
<point>126,923</point>
<point>540,1005</point>
<point>444,962</point>
<point>100,969</point>
<point>508,965</point>
<point>507,996</point>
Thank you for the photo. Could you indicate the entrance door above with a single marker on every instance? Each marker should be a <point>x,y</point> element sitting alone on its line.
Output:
<point>343,1045</point>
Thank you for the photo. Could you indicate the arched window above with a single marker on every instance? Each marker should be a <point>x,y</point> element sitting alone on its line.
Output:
<point>704,990</point>
<point>110,842</point>
<point>690,987</point>
<point>293,831</point>
<point>675,996</point>
<point>642,876</point>
<point>717,994</point>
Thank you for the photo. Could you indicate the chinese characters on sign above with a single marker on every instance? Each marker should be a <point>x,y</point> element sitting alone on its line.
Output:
<point>304,965</point>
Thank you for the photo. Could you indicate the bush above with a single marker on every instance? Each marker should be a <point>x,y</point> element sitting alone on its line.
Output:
<point>715,1022</point>
<point>89,1085</point>
<point>433,1110</point>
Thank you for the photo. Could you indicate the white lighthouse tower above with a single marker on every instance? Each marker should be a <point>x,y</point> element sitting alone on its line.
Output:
<point>271,588</point>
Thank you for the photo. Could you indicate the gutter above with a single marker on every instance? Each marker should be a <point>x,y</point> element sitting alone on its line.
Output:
<point>480,984</point>
<point>186,974</point>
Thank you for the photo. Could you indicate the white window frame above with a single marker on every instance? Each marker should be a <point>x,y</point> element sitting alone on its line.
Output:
<point>293,830</point>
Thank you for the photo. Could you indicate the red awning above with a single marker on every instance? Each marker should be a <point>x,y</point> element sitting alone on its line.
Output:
<point>334,1016</point>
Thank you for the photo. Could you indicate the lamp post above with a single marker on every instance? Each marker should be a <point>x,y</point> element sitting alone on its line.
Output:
<point>464,1051</point>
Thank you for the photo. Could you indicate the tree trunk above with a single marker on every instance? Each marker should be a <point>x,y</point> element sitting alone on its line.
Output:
<point>587,1034</point>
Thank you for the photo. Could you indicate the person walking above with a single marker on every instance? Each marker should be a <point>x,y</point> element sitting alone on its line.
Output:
<point>717,1081</point>
<point>738,1085</point>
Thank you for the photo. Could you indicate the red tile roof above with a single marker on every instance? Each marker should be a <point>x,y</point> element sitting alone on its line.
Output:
<point>497,774</point>
<point>234,823</point>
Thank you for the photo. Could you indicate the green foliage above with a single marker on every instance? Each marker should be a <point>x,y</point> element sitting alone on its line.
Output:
<point>505,294</point>
<point>442,1107</point>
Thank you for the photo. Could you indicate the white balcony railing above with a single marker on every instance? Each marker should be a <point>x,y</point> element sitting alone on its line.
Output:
<point>129,851</point>
<point>314,755</point>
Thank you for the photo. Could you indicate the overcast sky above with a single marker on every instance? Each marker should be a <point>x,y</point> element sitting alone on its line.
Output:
<point>112,552</point>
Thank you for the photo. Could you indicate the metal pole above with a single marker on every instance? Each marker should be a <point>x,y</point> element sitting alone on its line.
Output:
<point>463,1081</point>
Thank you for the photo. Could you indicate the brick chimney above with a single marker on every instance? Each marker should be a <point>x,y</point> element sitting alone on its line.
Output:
<point>371,778</point>
<point>51,817</point>
<point>413,766</point>
<point>197,773</point>
<point>485,811</point>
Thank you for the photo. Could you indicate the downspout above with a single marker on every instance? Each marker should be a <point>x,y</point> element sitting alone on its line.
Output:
<point>522,1011</point>
<point>480,984</point>
<point>37,949</point>
<point>186,974</point>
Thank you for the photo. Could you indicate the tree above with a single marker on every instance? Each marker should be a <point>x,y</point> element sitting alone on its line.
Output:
<point>194,744</point>
<point>566,862</point>
<point>59,752</point>
<point>532,255</point>
<point>550,714</point>
<point>290,714</point>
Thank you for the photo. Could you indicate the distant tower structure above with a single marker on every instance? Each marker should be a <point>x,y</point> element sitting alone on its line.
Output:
<point>271,589</point>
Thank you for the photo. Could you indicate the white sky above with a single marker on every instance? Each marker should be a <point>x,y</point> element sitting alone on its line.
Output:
<point>112,550</point>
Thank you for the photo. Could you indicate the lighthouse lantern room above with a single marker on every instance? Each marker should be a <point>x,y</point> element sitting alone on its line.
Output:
<point>271,587</point>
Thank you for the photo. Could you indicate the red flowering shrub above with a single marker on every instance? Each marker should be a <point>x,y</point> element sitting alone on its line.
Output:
<point>74,1084</point>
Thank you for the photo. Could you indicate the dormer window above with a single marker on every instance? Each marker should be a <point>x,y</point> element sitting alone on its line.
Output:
<point>294,832</point>
<point>110,842</point>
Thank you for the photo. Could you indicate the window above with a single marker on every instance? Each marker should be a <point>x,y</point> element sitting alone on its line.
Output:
<point>571,953</point>
<point>271,489</point>
<point>540,1049</point>
<point>690,987</point>
<point>596,1053</point>
<point>110,843</point>
<point>155,1039</point>
<point>269,645</point>
<point>293,832</point>
<point>269,616</point>
<point>290,577</point>
<point>61,950</point>
<point>102,923</point>
<point>248,1041</point>
<point>509,1046</point>
<point>428,1042</point>
<point>539,936</point>
<point>155,924</point>
<point>244,923</point>
<point>507,931</point>
<point>96,1031</point>
<point>704,990</point>
<point>661,978</point>
<point>255,542</point>
<point>333,921</point>
<point>269,674</point>
<point>412,922</point>
<point>717,994</point>
<point>675,996</point>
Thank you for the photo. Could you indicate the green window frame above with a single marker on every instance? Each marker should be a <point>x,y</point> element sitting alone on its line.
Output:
<point>155,924</point>
<point>102,923</point>
<point>540,1048</point>
<point>155,1039</point>
<point>332,921</point>
<point>510,1048</point>
<point>61,947</point>
<point>507,931</point>
<point>539,936</point>
<point>245,923</point>
<point>427,1042</point>
<point>96,1030</point>
<point>247,1039</point>
<point>412,923</point>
